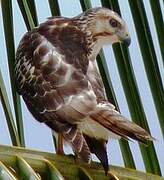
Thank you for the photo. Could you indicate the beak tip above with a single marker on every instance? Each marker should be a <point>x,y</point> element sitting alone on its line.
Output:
<point>127,41</point>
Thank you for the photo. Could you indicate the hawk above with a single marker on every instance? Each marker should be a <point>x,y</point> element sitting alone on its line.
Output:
<point>57,76</point>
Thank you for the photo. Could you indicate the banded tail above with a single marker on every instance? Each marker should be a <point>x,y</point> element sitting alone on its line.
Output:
<point>108,117</point>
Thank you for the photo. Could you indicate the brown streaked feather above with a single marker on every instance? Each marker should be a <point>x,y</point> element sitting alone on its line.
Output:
<point>95,79</point>
<point>46,84</point>
<point>74,137</point>
<point>58,125</point>
<point>69,41</point>
<point>85,153</point>
<point>78,143</point>
<point>98,147</point>
<point>115,122</point>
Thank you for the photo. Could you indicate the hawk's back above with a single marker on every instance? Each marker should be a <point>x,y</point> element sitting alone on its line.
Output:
<point>51,63</point>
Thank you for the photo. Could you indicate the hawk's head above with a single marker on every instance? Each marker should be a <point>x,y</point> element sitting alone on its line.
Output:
<point>105,26</point>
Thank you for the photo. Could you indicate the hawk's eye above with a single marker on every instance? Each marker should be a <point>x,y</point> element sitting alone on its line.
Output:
<point>113,23</point>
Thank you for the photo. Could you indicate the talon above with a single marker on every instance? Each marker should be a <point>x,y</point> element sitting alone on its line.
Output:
<point>113,176</point>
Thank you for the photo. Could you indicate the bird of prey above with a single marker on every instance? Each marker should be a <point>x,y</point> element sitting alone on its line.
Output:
<point>57,76</point>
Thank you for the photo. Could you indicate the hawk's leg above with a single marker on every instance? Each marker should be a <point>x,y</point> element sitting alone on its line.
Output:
<point>60,144</point>
<point>113,176</point>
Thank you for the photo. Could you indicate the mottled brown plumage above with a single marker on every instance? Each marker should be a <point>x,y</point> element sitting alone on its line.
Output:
<point>57,76</point>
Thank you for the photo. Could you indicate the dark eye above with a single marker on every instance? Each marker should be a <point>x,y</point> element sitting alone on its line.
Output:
<point>113,23</point>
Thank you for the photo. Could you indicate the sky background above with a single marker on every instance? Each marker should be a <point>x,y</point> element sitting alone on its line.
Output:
<point>38,136</point>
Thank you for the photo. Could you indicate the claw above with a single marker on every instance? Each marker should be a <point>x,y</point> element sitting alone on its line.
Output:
<point>113,176</point>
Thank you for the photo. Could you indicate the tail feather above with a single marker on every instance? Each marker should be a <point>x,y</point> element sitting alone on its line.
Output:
<point>78,143</point>
<point>73,136</point>
<point>98,147</point>
<point>115,122</point>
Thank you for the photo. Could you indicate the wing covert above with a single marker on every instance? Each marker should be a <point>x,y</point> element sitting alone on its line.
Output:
<point>49,71</point>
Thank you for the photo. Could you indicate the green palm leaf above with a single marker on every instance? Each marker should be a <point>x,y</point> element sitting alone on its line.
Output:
<point>34,164</point>
<point>9,37</point>
<point>26,13</point>
<point>8,113</point>
<point>149,57</point>
<point>157,14</point>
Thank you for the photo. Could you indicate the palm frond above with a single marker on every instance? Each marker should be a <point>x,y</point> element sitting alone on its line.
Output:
<point>20,162</point>
<point>149,57</point>
<point>157,14</point>
<point>54,7</point>
<point>9,37</point>
<point>8,113</point>
<point>26,13</point>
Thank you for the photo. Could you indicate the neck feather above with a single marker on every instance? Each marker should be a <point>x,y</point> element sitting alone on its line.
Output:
<point>94,44</point>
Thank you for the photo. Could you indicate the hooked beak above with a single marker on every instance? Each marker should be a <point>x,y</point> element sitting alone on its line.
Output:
<point>124,38</point>
<point>127,40</point>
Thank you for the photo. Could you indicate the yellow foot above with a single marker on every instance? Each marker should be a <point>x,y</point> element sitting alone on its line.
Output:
<point>113,176</point>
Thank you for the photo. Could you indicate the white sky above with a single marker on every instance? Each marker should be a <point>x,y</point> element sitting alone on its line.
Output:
<point>37,135</point>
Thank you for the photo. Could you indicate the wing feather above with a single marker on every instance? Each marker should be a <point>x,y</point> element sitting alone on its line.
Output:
<point>51,63</point>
